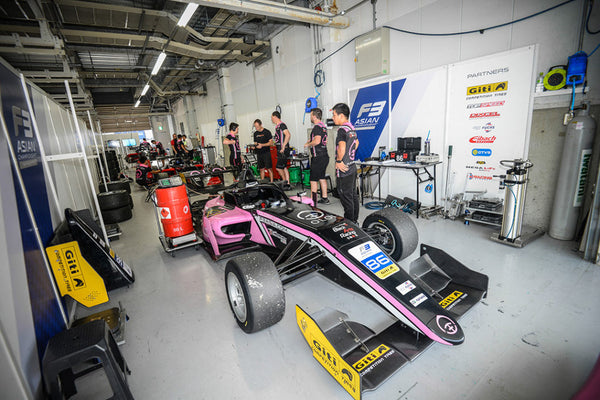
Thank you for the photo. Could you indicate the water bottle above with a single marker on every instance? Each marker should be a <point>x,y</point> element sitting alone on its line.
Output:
<point>539,87</point>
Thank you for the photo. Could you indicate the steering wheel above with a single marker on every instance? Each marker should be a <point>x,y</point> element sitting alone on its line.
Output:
<point>262,204</point>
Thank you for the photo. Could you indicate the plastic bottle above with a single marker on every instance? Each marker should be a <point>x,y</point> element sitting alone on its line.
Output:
<point>539,87</point>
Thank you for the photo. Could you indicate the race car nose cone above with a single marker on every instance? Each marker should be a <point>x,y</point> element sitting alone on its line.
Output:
<point>447,329</point>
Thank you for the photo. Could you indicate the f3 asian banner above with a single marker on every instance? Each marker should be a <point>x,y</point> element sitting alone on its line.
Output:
<point>369,115</point>
<point>488,114</point>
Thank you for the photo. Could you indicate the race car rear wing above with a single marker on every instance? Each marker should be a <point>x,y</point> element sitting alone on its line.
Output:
<point>360,359</point>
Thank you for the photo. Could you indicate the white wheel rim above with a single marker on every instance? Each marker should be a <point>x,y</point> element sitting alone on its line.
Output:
<point>386,240</point>
<point>236,297</point>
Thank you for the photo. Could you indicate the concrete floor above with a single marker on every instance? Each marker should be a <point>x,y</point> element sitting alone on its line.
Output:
<point>534,337</point>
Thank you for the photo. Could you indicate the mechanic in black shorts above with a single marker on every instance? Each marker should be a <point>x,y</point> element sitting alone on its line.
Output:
<point>346,144</point>
<point>263,140</point>
<point>235,155</point>
<point>282,142</point>
<point>318,150</point>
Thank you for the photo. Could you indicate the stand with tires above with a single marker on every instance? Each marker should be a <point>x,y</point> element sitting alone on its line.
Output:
<point>115,206</point>
<point>112,162</point>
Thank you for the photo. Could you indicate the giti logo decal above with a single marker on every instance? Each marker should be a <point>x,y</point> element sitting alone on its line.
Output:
<point>490,114</point>
<point>369,114</point>
<point>486,104</point>
<point>327,356</point>
<point>370,358</point>
<point>488,88</point>
<point>77,279</point>
<point>451,298</point>
<point>481,152</point>
<point>479,177</point>
<point>482,139</point>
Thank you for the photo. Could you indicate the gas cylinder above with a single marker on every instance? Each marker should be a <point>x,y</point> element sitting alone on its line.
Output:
<point>572,176</point>
<point>174,209</point>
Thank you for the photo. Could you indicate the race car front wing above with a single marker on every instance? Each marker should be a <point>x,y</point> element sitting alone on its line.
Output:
<point>360,359</point>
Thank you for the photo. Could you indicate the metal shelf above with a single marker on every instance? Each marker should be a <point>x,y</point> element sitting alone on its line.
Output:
<point>500,212</point>
<point>482,222</point>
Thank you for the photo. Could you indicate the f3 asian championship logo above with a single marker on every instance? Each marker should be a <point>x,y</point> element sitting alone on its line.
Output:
<point>369,113</point>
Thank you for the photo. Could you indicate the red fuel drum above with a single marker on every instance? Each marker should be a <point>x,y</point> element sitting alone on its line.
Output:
<point>174,210</point>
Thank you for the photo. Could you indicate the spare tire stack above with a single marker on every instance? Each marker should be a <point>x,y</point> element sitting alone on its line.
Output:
<point>117,185</point>
<point>115,205</point>
<point>113,165</point>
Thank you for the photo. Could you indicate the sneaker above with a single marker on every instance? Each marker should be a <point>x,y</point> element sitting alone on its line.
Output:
<point>324,200</point>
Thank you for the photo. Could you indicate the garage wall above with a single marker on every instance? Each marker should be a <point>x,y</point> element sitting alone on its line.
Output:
<point>287,79</point>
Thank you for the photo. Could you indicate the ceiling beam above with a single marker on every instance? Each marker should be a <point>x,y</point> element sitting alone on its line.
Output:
<point>277,10</point>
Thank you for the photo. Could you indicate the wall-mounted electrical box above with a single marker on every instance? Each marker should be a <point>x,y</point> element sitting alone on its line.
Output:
<point>372,54</point>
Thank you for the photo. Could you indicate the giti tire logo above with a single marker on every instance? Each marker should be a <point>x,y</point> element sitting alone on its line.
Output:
<point>482,139</point>
<point>486,104</point>
<point>490,114</point>
<point>369,114</point>
<point>481,152</point>
<point>370,358</point>
<point>488,88</point>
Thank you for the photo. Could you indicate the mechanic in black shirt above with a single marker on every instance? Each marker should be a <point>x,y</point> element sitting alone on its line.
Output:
<point>346,144</point>
<point>263,140</point>
<point>141,173</point>
<point>235,155</point>
<point>159,147</point>
<point>282,142</point>
<point>319,158</point>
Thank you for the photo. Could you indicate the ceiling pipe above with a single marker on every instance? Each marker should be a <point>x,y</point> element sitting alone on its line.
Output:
<point>277,10</point>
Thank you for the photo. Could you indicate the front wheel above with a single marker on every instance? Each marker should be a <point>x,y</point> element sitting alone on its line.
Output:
<point>254,291</point>
<point>394,231</point>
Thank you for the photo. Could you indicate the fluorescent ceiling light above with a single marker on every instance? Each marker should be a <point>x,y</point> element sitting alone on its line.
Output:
<point>159,62</point>
<point>145,89</point>
<point>187,14</point>
<point>137,103</point>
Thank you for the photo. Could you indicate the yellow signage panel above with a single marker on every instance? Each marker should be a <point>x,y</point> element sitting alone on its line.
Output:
<point>327,356</point>
<point>74,276</point>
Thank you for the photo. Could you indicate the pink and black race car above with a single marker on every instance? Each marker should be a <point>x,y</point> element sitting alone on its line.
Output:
<point>273,239</point>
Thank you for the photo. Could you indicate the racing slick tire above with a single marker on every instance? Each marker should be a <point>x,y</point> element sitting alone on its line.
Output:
<point>399,236</point>
<point>117,215</point>
<point>118,185</point>
<point>254,291</point>
<point>112,200</point>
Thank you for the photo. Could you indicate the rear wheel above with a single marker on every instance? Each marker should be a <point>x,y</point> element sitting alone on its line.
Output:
<point>254,291</point>
<point>394,231</point>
